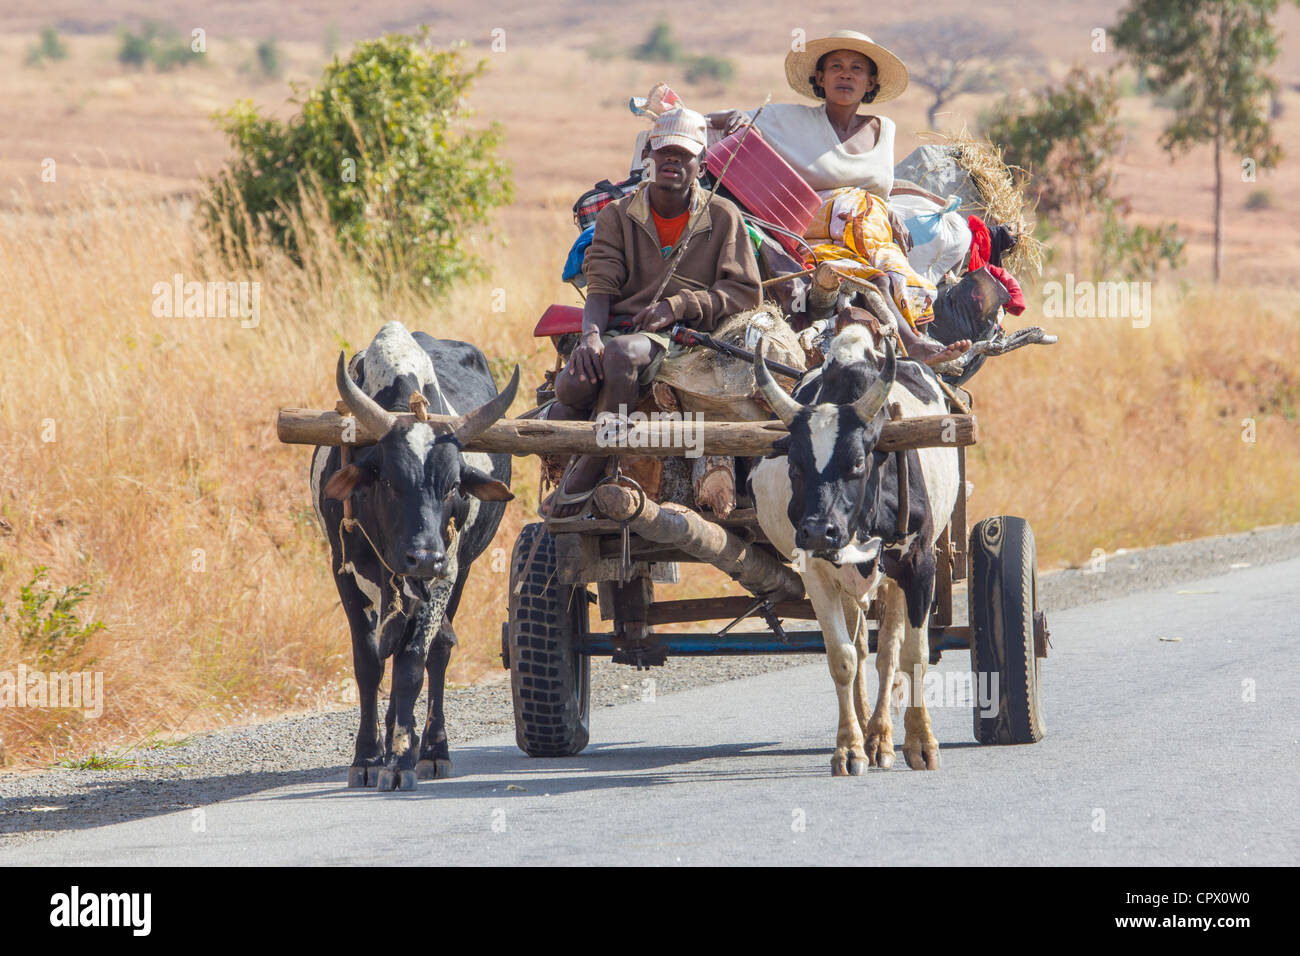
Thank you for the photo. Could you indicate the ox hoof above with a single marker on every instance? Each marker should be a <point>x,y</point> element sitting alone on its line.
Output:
<point>923,759</point>
<point>433,769</point>
<point>885,760</point>
<point>406,780</point>
<point>362,776</point>
<point>387,779</point>
<point>848,765</point>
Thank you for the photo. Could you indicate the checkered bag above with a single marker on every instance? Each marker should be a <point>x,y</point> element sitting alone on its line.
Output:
<point>590,203</point>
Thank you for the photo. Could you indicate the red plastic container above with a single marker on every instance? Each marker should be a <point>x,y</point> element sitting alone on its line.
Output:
<point>765,185</point>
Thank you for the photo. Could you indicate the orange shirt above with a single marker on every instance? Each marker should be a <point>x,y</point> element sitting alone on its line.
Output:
<point>669,229</point>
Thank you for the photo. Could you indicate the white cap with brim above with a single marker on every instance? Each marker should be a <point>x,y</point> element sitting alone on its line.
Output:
<point>679,127</point>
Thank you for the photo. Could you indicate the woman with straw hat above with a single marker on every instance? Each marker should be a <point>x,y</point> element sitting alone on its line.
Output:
<point>848,158</point>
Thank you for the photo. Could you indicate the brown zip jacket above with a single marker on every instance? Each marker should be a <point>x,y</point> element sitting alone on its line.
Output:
<point>717,276</point>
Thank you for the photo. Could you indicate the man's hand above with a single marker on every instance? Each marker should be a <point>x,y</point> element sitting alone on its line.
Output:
<point>729,121</point>
<point>587,360</point>
<point>901,234</point>
<point>653,318</point>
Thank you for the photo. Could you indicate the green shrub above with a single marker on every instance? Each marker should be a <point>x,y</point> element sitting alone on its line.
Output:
<point>378,143</point>
<point>1261,199</point>
<point>659,46</point>
<point>47,624</point>
<point>163,48</point>
<point>50,47</point>
<point>1136,253</point>
<point>716,68</point>
<point>269,62</point>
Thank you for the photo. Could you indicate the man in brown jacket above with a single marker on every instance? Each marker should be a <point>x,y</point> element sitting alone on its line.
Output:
<point>623,341</point>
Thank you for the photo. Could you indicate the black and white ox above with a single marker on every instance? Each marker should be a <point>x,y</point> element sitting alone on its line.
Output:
<point>830,499</point>
<point>422,510</point>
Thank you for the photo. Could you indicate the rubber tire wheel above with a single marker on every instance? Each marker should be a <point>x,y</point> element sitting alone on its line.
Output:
<point>549,680</point>
<point>1002,597</point>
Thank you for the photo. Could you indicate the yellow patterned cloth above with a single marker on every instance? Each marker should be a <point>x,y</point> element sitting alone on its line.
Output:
<point>852,228</point>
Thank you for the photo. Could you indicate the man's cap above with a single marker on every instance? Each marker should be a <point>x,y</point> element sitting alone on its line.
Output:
<point>679,127</point>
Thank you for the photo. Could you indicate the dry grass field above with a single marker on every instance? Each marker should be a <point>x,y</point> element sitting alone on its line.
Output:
<point>138,454</point>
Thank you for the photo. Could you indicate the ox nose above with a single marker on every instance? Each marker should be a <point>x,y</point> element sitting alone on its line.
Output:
<point>426,560</point>
<point>818,534</point>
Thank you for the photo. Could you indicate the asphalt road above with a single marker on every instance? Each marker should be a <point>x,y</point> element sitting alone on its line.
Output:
<point>1172,732</point>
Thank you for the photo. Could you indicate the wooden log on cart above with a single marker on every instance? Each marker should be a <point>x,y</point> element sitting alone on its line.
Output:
<point>748,564</point>
<point>662,438</point>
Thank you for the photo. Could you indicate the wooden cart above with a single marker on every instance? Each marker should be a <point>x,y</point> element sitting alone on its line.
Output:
<point>586,589</point>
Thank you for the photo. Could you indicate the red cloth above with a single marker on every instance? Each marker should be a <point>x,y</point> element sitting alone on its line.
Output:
<point>1017,303</point>
<point>981,244</point>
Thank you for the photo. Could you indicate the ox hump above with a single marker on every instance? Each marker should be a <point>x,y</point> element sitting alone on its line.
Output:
<point>854,344</point>
<point>395,354</point>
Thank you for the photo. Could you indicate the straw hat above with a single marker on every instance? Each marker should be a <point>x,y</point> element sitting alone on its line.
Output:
<point>800,65</point>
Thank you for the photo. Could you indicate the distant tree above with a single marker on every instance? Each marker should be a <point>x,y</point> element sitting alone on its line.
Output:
<point>1207,59</point>
<point>659,46</point>
<point>954,56</point>
<point>381,142</point>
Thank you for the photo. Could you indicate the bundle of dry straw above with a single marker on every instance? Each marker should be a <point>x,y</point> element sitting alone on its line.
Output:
<point>1002,190</point>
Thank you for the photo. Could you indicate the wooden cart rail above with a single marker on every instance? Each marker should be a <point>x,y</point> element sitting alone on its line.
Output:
<point>659,438</point>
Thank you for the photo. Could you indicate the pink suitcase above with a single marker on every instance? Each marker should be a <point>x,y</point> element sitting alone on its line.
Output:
<point>765,185</point>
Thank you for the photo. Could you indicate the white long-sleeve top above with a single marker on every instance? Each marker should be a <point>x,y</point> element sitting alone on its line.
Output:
<point>804,138</point>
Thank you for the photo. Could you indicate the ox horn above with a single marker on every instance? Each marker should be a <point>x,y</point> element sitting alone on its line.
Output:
<point>468,427</point>
<point>786,408</point>
<point>873,399</point>
<point>372,416</point>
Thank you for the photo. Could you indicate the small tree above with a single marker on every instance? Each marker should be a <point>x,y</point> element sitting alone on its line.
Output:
<point>1064,137</point>
<point>380,139</point>
<point>952,57</point>
<point>1207,58</point>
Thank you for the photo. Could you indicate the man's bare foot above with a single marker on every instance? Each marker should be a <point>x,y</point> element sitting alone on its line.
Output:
<point>938,353</point>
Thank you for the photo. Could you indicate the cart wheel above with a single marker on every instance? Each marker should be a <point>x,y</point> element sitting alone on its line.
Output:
<point>549,679</point>
<point>1002,598</point>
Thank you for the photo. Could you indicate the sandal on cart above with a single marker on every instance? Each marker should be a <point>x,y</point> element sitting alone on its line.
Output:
<point>560,498</point>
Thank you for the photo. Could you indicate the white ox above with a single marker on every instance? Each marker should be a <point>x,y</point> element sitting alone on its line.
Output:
<point>829,500</point>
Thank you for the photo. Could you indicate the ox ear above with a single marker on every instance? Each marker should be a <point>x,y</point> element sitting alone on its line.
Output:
<point>779,447</point>
<point>348,478</point>
<point>483,486</point>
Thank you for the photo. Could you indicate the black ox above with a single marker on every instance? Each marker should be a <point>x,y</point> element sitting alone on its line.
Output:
<point>422,510</point>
